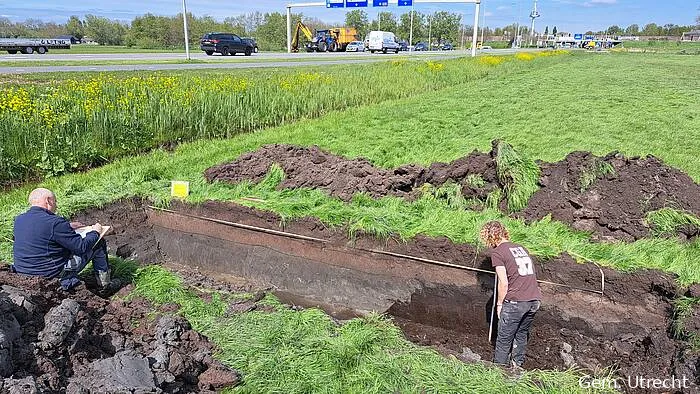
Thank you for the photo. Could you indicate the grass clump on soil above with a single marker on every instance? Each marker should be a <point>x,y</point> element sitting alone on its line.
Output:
<point>682,311</point>
<point>597,170</point>
<point>518,175</point>
<point>281,350</point>
<point>667,221</point>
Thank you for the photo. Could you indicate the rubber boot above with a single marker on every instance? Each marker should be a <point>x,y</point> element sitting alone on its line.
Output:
<point>104,278</point>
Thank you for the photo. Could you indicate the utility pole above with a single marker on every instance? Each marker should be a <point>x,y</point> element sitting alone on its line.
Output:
<point>410,39</point>
<point>461,20</point>
<point>187,35</point>
<point>483,24</point>
<point>533,14</point>
<point>430,33</point>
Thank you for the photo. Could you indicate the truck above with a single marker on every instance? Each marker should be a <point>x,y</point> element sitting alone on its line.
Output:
<point>32,45</point>
<point>332,40</point>
<point>383,41</point>
<point>327,40</point>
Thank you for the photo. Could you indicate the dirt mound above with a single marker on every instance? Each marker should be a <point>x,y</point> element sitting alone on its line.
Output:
<point>610,196</point>
<point>341,177</point>
<point>607,196</point>
<point>54,341</point>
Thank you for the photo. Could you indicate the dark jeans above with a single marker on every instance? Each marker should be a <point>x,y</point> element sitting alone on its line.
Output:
<point>513,331</point>
<point>98,256</point>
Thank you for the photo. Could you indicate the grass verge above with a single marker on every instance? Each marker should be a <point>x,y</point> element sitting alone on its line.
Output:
<point>214,60</point>
<point>281,350</point>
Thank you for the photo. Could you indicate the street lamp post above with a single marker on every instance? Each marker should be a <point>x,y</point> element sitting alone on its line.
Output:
<point>187,36</point>
<point>410,39</point>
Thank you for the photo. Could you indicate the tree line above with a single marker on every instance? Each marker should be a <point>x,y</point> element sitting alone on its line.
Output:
<point>269,29</point>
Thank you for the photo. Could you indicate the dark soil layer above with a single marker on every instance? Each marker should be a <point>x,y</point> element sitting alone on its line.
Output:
<point>130,236</point>
<point>53,341</point>
<point>627,328</point>
<point>340,177</point>
<point>612,206</point>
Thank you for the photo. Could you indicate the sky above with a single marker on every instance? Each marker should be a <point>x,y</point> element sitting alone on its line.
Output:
<point>568,15</point>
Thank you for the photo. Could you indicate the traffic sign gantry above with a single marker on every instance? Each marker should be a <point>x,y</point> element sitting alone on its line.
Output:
<point>380,3</point>
<point>405,3</point>
<point>578,36</point>
<point>335,3</point>
<point>354,4</point>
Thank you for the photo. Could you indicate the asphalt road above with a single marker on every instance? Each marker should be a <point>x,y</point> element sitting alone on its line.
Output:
<point>257,60</point>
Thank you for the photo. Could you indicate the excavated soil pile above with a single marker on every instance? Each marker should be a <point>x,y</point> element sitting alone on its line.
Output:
<point>611,206</point>
<point>54,341</point>
<point>341,177</point>
<point>614,205</point>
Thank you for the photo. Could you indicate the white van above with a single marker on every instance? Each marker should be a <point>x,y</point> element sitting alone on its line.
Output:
<point>384,41</point>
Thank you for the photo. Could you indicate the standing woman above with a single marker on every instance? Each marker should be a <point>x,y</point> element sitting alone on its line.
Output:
<point>518,294</point>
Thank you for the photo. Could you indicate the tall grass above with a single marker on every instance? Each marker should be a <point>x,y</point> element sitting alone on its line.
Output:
<point>518,174</point>
<point>282,350</point>
<point>667,221</point>
<point>63,126</point>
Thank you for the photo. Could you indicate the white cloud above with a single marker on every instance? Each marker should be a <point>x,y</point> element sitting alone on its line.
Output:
<point>487,13</point>
<point>502,7</point>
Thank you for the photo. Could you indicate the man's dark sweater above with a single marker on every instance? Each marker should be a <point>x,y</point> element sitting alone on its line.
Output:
<point>44,242</point>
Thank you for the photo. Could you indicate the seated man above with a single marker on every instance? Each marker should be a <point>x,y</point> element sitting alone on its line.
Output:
<point>47,245</point>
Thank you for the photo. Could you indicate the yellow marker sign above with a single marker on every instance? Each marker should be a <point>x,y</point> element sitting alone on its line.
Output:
<point>179,189</point>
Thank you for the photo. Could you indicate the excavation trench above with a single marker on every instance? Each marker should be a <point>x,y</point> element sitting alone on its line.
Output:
<point>309,264</point>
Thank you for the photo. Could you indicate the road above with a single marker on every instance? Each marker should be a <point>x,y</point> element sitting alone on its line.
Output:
<point>258,60</point>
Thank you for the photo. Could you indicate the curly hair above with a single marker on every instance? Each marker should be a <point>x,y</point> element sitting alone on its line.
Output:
<point>492,232</point>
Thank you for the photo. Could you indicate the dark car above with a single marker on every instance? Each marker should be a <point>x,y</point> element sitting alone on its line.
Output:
<point>421,46</point>
<point>446,47</point>
<point>403,46</point>
<point>225,44</point>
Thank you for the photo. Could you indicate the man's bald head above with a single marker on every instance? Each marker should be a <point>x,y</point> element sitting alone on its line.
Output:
<point>43,198</point>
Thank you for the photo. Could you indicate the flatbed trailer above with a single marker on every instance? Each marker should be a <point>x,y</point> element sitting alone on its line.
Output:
<point>32,45</point>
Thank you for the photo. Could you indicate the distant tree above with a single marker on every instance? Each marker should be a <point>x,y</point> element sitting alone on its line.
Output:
<point>546,30</point>
<point>632,30</point>
<point>75,27</point>
<point>554,31</point>
<point>420,29</point>
<point>445,26</point>
<point>651,29</point>
<point>104,31</point>
<point>359,20</point>
<point>614,30</point>
<point>272,32</point>
<point>386,21</point>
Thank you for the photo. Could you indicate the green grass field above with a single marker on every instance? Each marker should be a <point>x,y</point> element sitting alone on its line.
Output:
<point>638,104</point>
<point>663,46</point>
<point>88,49</point>
<point>39,62</point>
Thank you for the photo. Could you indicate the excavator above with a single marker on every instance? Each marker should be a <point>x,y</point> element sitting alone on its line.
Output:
<point>299,30</point>
<point>333,40</point>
